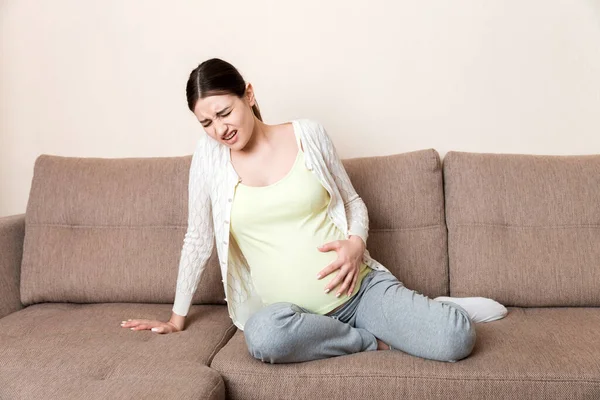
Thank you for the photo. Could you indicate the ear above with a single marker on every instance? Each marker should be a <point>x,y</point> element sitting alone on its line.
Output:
<point>250,94</point>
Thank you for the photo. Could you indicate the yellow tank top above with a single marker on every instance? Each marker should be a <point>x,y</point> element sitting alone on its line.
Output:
<point>278,228</point>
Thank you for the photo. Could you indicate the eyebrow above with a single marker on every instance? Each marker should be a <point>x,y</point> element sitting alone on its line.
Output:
<point>218,114</point>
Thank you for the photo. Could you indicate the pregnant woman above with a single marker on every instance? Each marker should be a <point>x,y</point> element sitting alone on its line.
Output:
<point>291,235</point>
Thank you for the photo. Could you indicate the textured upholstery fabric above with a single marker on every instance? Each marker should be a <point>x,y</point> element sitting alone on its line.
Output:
<point>535,353</point>
<point>524,229</point>
<point>108,230</point>
<point>171,381</point>
<point>80,351</point>
<point>12,231</point>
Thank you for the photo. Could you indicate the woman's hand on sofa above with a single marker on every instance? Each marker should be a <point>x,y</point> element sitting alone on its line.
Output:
<point>153,325</point>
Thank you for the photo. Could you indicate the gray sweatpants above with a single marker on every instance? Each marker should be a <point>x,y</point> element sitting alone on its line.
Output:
<point>383,308</point>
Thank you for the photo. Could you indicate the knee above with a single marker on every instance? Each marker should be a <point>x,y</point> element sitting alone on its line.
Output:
<point>460,341</point>
<point>264,333</point>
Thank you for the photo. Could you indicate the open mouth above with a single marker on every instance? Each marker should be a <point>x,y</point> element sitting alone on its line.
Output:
<point>231,135</point>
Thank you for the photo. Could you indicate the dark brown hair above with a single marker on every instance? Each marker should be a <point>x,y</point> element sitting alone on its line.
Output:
<point>214,77</point>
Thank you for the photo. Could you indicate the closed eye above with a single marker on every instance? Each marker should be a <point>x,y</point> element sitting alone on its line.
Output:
<point>223,115</point>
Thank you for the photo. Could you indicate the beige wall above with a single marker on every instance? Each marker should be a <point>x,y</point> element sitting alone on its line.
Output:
<point>107,78</point>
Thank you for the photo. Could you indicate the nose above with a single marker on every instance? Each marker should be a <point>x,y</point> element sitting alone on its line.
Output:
<point>220,128</point>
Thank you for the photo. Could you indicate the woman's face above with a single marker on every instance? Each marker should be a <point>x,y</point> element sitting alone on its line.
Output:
<point>225,115</point>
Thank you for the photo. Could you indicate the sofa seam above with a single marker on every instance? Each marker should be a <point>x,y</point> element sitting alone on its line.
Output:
<point>109,226</point>
<point>218,345</point>
<point>566,226</point>
<point>416,377</point>
<point>416,228</point>
<point>219,382</point>
<point>444,184</point>
<point>439,167</point>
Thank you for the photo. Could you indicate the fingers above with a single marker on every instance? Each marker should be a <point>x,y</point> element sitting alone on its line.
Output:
<point>329,246</point>
<point>347,281</point>
<point>152,325</point>
<point>352,284</point>
<point>135,325</point>
<point>344,275</point>
<point>337,264</point>
<point>138,324</point>
<point>130,323</point>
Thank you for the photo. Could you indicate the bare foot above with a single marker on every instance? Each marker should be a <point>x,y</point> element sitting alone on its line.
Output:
<point>382,346</point>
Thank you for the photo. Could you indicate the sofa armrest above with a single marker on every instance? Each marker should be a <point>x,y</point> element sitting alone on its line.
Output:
<point>12,234</point>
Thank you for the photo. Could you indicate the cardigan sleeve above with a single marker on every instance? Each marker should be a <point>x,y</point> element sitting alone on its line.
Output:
<point>356,210</point>
<point>198,242</point>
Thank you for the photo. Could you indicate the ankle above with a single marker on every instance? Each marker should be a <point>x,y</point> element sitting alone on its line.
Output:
<point>382,345</point>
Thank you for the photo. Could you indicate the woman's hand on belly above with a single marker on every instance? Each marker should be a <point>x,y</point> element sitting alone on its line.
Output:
<point>349,259</point>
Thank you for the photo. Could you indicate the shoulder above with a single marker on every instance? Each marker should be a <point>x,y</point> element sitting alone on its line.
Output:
<point>203,156</point>
<point>316,136</point>
<point>206,148</point>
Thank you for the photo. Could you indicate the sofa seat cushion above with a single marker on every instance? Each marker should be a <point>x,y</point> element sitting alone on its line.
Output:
<point>531,353</point>
<point>80,351</point>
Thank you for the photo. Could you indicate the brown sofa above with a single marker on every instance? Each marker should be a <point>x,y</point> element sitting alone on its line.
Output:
<point>101,238</point>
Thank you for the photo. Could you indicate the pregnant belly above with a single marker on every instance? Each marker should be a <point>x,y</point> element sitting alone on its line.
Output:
<point>296,281</point>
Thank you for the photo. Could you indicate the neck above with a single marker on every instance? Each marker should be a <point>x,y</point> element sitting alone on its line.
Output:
<point>261,137</point>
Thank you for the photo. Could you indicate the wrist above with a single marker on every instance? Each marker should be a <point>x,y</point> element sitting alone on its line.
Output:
<point>177,321</point>
<point>357,239</point>
<point>174,325</point>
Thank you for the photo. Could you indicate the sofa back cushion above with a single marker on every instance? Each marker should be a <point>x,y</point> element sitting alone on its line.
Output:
<point>407,230</point>
<point>524,229</point>
<point>109,230</point>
